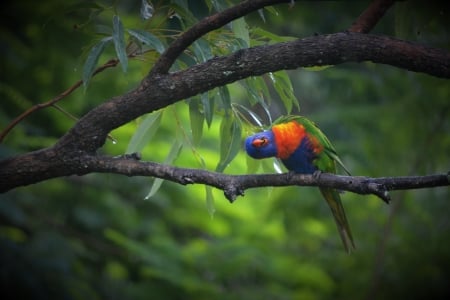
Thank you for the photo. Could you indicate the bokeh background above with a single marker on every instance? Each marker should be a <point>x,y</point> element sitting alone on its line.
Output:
<point>96,237</point>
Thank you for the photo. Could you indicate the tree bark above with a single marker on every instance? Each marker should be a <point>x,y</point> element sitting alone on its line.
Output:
<point>68,155</point>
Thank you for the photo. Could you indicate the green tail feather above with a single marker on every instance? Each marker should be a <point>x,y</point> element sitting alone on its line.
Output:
<point>326,162</point>
<point>334,201</point>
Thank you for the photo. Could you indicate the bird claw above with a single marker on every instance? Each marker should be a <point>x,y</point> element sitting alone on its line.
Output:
<point>317,174</point>
<point>290,174</point>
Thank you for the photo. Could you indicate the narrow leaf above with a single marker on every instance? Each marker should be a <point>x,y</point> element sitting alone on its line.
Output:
<point>219,5</point>
<point>197,119</point>
<point>92,59</point>
<point>173,154</point>
<point>208,107</point>
<point>119,42</point>
<point>254,117</point>
<point>261,15</point>
<point>317,68</point>
<point>144,132</point>
<point>277,165</point>
<point>146,10</point>
<point>148,39</point>
<point>210,200</point>
<point>283,86</point>
<point>225,98</point>
<point>202,50</point>
<point>272,10</point>
<point>271,37</point>
<point>256,89</point>
<point>182,12</point>
<point>240,30</point>
<point>252,164</point>
<point>230,141</point>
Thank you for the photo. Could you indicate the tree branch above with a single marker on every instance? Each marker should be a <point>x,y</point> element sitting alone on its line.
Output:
<point>206,25</point>
<point>363,24</point>
<point>52,102</point>
<point>162,90</point>
<point>370,17</point>
<point>235,185</point>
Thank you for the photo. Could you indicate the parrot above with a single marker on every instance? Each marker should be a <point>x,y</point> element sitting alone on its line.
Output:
<point>303,148</point>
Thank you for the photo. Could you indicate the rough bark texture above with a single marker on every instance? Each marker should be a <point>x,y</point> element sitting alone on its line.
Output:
<point>74,153</point>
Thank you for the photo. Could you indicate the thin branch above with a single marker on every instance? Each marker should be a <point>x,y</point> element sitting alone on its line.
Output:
<point>206,25</point>
<point>52,102</point>
<point>370,17</point>
<point>235,185</point>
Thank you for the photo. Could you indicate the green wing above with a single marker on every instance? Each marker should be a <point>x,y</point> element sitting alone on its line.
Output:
<point>327,159</point>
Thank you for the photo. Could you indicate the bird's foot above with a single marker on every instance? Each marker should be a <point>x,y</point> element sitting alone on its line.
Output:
<point>290,174</point>
<point>317,174</point>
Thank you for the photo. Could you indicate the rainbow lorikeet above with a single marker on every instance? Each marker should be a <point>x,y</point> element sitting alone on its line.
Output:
<point>303,148</point>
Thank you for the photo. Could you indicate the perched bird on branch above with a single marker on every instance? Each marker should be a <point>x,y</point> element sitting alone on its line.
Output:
<point>304,149</point>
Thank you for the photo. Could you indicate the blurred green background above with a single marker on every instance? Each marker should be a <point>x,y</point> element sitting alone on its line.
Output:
<point>95,237</point>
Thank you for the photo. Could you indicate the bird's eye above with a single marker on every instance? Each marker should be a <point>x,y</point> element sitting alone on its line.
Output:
<point>260,142</point>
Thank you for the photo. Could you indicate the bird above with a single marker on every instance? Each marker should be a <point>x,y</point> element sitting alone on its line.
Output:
<point>303,148</point>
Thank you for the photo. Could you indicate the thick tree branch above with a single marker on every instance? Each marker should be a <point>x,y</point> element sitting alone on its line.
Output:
<point>162,90</point>
<point>367,20</point>
<point>206,25</point>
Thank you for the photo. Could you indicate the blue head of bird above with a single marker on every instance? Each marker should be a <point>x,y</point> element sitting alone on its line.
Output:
<point>261,145</point>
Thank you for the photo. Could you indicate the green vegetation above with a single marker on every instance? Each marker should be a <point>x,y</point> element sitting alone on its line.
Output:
<point>99,236</point>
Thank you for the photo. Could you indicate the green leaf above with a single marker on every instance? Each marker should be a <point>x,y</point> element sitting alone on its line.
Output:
<point>242,112</point>
<point>146,10</point>
<point>202,50</point>
<point>272,165</point>
<point>283,86</point>
<point>219,5</point>
<point>209,200</point>
<point>271,37</point>
<point>119,42</point>
<point>252,164</point>
<point>261,15</point>
<point>317,68</point>
<point>272,10</point>
<point>145,132</point>
<point>183,13</point>
<point>240,30</point>
<point>197,119</point>
<point>208,107</point>
<point>148,39</point>
<point>230,141</point>
<point>256,88</point>
<point>173,154</point>
<point>92,59</point>
<point>224,96</point>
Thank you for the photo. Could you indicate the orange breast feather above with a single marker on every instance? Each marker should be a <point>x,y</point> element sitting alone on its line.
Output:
<point>288,137</point>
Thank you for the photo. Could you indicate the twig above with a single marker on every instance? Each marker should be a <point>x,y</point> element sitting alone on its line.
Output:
<point>39,106</point>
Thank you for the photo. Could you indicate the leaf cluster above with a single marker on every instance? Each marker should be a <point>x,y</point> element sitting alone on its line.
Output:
<point>95,237</point>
